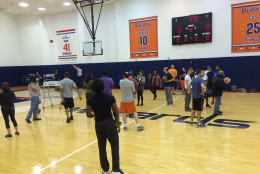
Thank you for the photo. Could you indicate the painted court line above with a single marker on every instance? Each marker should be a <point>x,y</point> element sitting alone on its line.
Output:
<point>55,162</point>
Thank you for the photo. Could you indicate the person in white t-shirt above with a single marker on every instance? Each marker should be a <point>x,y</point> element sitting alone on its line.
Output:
<point>80,77</point>
<point>187,80</point>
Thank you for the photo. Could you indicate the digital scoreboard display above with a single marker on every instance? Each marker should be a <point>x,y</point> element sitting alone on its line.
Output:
<point>192,29</point>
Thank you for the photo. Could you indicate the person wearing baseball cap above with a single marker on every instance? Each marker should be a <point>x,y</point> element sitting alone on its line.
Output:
<point>6,99</point>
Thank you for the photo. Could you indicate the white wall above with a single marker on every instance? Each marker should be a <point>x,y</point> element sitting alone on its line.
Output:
<point>166,10</point>
<point>29,35</point>
<point>9,41</point>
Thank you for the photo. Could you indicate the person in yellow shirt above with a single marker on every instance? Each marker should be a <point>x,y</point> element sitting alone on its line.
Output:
<point>174,74</point>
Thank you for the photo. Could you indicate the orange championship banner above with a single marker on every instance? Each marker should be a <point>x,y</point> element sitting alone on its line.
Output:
<point>246,27</point>
<point>143,37</point>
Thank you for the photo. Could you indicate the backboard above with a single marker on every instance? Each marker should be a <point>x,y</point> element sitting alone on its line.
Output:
<point>92,48</point>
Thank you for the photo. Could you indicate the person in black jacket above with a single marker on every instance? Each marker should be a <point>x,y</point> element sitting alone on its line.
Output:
<point>218,86</point>
<point>6,98</point>
<point>106,127</point>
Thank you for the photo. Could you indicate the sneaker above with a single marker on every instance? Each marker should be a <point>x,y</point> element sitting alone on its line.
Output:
<point>220,112</point>
<point>173,93</point>
<point>191,123</point>
<point>17,133</point>
<point>8,136</point>
<point>125,128</point>
<point>71,117</point>
<point>28,121</point>
<point>212,103</point>
<point>68,120</point>
<point>187,110</point>
<point>142,104</point>
<point>215,114</point>
<point>200,125</point>
<point>208,106</point>
<point>170,104</point>
<point>140,128</point>
<point>137,105</point>
<point>35,119</point>
<point>120,172</point>
<point>105,172</point>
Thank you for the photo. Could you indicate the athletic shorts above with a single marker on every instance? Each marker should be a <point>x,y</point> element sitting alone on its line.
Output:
<point>127,107</point>
<point>69,103</point>
<point>182,83</point>
<point>197,104</point>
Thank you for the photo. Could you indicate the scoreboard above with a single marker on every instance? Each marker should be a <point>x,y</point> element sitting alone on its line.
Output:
<point>192,29</point>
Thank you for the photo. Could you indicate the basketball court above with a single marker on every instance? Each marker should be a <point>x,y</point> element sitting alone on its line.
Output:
<point>167,145</point>
<point>116,36</point>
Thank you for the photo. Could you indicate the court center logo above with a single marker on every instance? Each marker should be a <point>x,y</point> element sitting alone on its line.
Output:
<point>227,123</point>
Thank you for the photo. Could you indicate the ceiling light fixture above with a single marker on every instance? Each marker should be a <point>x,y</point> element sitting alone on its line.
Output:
<point>23,4</point>
<point>66,3</point>
<point>41,9</point>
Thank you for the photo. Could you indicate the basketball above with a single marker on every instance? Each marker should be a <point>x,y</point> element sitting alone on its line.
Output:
<point>227,80</point>
<point>39,110</point>
<point>164,79</point>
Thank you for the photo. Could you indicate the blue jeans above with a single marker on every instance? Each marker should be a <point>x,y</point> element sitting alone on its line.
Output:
<point>34,108</point>
<point>217,104</point>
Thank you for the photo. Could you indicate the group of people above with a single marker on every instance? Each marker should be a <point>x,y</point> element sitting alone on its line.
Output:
<point>203,85</point>
<point>100,101</point>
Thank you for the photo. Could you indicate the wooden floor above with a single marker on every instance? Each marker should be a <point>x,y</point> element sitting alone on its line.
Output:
<point>229,144</point>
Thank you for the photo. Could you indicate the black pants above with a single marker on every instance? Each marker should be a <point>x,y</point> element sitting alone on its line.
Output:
<point>88,96</point>
<point>80,81</point>
<point>9,111</point>
<point>140,95</point>
<point>154,90</point>
<point>107,130</point>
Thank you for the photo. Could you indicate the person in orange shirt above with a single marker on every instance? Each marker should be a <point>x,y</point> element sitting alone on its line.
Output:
<point>174,74</point>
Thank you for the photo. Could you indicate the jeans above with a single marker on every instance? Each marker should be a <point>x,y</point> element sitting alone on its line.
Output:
<point>187,99</point>
<point>34,108</point>
<point>168,95</point>
<point>107,130</point>
<point>217,104</point>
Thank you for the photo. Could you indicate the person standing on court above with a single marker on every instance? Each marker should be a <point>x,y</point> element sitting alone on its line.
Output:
<point>197,96</point>
<point>6,99</point>
<point>80,76</point>
<point>141,81</point>
<point>135,82</point>
<point>108,82</point>
<point>155,82</point>
<point>66,87</point>
<point>174,74</point>
<point>34,90</point>
<point>187,80</point>
<point>127,101</point>
<point>209,85</point>
<point>182,77</point>
<point>87,86</point>
<point>106,127</point>
<point>218,86</point>
<point>56,75</point>
<point>168,87</point>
